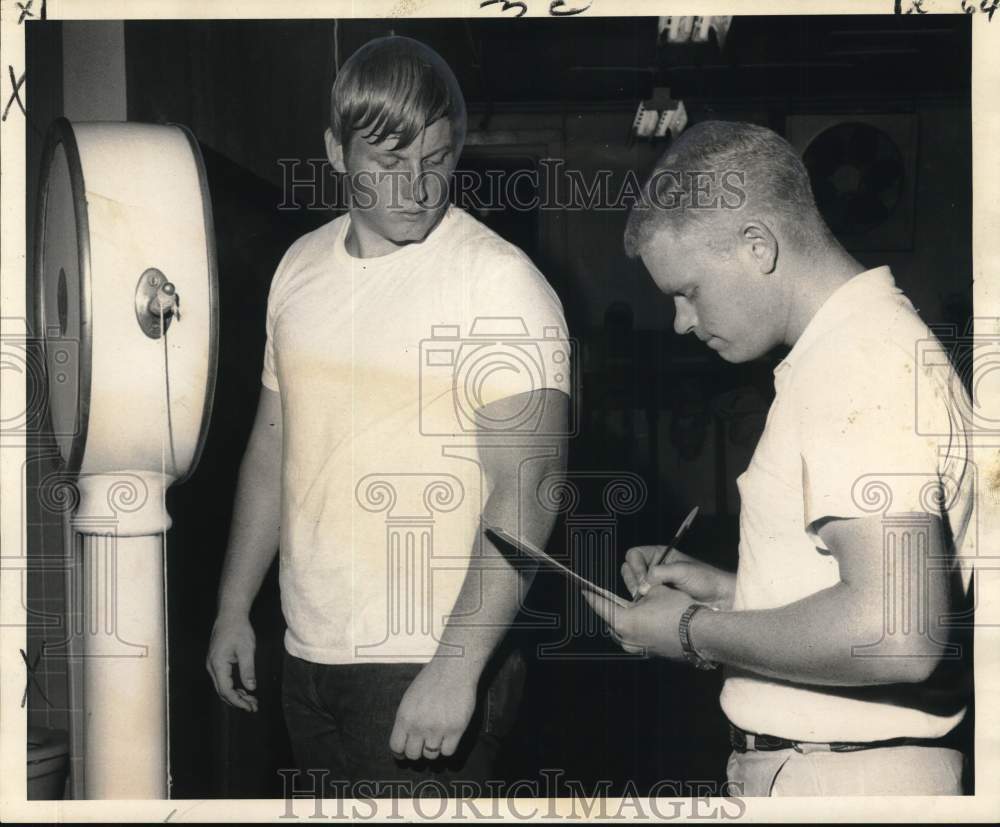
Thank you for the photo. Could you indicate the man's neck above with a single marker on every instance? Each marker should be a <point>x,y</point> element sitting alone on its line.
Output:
<point>814,282</point>
<point>360,242</point>
<point>363,242</point>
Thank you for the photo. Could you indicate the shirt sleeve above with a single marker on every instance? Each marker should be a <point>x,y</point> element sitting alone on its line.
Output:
<point>517,316</point>
<point>275,298</point>
<point>862,453</point>
<point>269,374</point>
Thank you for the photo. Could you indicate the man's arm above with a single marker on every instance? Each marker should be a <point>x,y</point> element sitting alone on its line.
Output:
<point>897,600</point>
<point>253,542</point>
<point>815,640</point>
<point>437,707</point>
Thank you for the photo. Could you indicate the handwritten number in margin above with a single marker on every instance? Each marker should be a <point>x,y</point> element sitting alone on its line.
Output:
<point>987,7</point>
<point>556,9</point>
<point>522,8</point>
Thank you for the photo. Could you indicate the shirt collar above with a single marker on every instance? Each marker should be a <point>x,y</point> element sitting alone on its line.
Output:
<point>856,293</point>
<point>400,254</point>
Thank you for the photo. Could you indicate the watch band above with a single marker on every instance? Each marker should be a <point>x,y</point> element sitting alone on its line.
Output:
<point>687,647</point>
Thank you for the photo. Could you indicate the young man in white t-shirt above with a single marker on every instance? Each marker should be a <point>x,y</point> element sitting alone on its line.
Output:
<point>415,386</point>
<point>841,631</point>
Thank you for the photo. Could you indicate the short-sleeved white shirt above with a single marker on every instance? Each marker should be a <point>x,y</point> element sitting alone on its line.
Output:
<point>380,363</point>
<point>867,420</point>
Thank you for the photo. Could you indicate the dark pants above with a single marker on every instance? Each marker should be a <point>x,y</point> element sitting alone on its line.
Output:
<point>340,718</point>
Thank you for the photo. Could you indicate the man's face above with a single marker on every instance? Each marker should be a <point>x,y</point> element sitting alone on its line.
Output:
<point>718,296</point>
<point>399,194</point>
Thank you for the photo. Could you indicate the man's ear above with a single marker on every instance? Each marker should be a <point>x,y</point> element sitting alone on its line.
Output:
<point>761,245</point>
<point>334,151</point>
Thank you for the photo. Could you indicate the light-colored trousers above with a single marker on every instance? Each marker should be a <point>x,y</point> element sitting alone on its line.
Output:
<point>884,771</point>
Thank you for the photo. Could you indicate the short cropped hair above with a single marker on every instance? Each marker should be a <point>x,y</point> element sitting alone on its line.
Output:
<point>717,172</point>
<point>395,87</point>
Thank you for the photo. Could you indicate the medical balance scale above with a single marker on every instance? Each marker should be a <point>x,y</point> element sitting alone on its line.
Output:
<point>127,306</point>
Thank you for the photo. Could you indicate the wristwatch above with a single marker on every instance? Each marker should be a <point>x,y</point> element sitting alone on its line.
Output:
<point>684,629</point>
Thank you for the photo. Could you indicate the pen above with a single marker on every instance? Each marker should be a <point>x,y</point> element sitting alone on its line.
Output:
<point>663,551</point>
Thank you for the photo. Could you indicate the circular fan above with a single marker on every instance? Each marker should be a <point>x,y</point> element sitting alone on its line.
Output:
<point>857,175</point>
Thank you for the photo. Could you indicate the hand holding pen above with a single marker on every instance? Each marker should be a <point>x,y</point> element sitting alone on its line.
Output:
<point>648,566</point>
<point>643,586</point>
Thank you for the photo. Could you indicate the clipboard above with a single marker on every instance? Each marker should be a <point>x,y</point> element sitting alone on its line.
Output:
<point>510,544</point>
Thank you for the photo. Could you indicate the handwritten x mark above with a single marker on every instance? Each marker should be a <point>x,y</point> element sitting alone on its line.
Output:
<point>33,678</point>
<point>17,83</point>
<point>25,11</point>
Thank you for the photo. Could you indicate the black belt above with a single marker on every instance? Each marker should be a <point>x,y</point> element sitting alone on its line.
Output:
<point>743,741</point>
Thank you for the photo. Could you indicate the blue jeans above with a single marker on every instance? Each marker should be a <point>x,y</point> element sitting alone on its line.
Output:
<point>340,718</point>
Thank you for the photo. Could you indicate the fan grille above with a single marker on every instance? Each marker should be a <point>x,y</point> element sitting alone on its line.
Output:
<point>857,175</point>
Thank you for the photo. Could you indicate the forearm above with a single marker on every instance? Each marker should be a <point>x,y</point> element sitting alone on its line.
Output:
<point>253,537</point>
<point>491,594</point>
<point>813,641</point>
<point>829,637</point>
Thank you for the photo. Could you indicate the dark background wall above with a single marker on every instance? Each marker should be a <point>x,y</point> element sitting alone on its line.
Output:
<point>654,407</point>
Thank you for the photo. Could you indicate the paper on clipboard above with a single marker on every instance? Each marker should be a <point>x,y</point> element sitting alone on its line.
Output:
<point>507,542</point>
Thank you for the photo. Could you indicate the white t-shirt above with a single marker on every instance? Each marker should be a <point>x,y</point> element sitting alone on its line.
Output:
<point>866,420</point>
<point>380,363</point>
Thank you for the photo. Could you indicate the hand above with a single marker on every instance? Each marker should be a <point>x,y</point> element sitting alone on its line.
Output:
<point>435,711</point>
<point>233,641</point>
<point>700,581</point>
<point>649,626</point>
